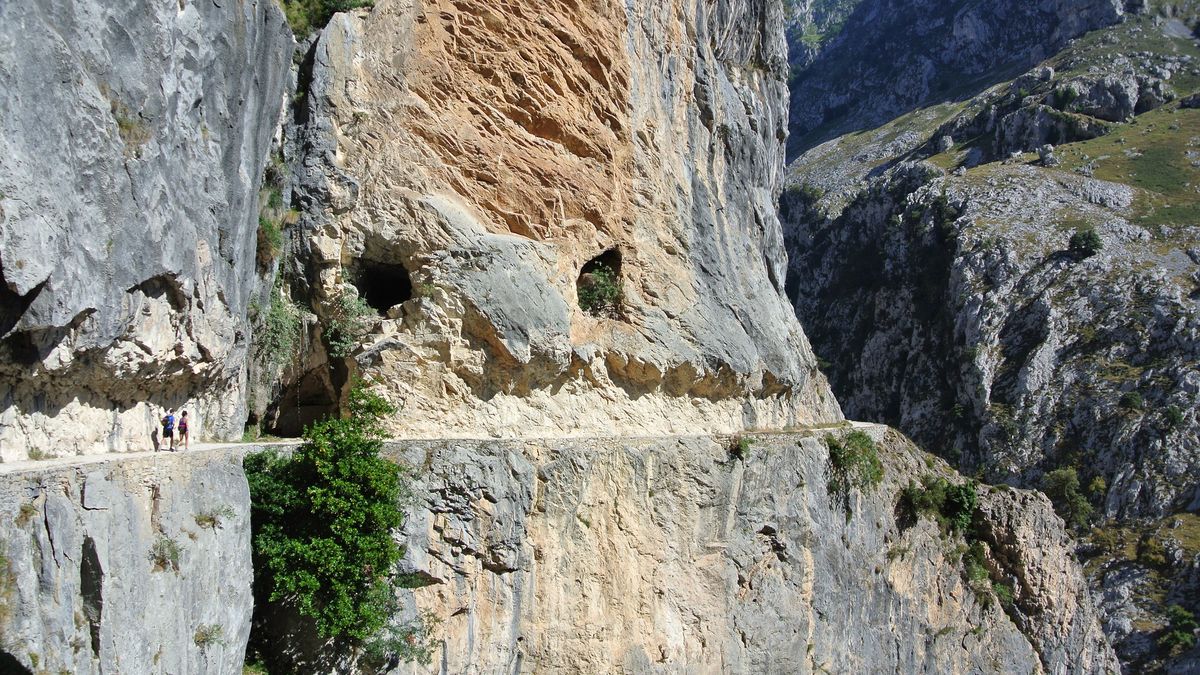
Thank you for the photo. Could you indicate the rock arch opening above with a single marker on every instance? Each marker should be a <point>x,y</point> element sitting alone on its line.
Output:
<point>599,284</point>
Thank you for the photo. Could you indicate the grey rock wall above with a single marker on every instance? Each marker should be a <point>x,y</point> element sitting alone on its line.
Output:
<point>81,592</point>
<point>133,137</point>
<point>590,555</point>
<point>669,556</point>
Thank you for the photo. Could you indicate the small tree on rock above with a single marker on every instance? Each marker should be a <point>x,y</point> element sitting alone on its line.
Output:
<point>1085,242</point>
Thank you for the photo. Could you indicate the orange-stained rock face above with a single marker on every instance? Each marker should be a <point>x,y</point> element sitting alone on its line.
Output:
<point>495,150</point>
<point>526,104</point>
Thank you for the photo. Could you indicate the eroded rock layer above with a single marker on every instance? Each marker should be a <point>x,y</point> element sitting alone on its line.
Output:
<point>467,163</point>
<point>132,144</point>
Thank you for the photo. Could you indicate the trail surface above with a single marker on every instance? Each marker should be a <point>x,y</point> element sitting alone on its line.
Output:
<point>209,448</point>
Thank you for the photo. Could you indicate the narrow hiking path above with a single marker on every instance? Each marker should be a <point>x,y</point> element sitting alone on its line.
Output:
<point>216,447</point>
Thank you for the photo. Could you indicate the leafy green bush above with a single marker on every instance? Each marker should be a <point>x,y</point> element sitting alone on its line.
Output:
<point>280,332</point>
<point>853,464</point>
<point>1174,416</point>
<point>1003,592</point>
<point>164,553</point>
<point>1062,487</point>
<point>350,319</point>
<point>269,242</point>
<point>1180,633</point>
<point>1085,242</point>
<point>307,16</point>
<point>599,291</point>
<point>1131,400</point>
<point>323,521</point>
<point>952,506</point>
<point>1064,96</point>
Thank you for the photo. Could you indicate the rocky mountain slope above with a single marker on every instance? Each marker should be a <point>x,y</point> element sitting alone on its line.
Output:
<point>513,219</point>
<point>942,265</point>
<point>893,56</point>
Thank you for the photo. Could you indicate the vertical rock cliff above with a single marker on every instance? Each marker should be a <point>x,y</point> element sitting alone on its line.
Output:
<point>132,143</point>
<point>141,566</point>
<point>672,556</point>
<point>468,167</point>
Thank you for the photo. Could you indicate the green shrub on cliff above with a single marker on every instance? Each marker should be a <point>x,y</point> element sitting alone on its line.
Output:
<point>952,506</point>
<point>307,16</point>
<point>600,291</point>
<point>278,336</point>
<point>1062,487</point>
<point>323,521</point>
<point>349,320</point>
<point>1085,242</point>
<point>1180,633</point>
<point>853,464</point>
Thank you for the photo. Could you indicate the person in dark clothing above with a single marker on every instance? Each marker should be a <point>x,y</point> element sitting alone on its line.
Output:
<point>168,427</point>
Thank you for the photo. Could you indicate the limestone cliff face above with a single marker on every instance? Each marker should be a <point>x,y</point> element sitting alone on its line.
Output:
<point>669,556</point>
<point>82,590</point>
<point>464,167</point>
<point>132,142</point>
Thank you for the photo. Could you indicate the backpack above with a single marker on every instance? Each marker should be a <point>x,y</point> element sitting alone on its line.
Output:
<point>169,423</point>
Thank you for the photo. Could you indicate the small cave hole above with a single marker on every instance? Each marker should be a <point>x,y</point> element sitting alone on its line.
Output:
<point>383,285</point>
<point>599,284</point>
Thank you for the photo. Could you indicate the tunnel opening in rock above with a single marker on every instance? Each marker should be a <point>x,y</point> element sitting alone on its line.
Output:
<point>599,284</point>
<point>312,396</point>
<point>91,583</point>
<point>383,285</point>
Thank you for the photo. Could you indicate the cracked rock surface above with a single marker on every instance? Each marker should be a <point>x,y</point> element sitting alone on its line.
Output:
<point>128,215</point>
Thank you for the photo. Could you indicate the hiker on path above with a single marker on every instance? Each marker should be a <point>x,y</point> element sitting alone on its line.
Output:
<point>168,427</point>
<point>183,430</point>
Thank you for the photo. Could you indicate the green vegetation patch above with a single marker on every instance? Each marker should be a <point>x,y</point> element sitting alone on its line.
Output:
<point>600,291</point>
<point>1180,633</point>
<point>853,465</point>
<point>951,505</point>
<point>324,520</point>
<point>278,336</point>
<point>308,16</point>
<point>1062,487</point>
<point>1151,155</point>
<point>164,554</point>
<point>349,320</point>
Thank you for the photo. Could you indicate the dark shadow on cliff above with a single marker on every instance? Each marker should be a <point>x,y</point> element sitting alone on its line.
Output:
<point>11,666</point>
